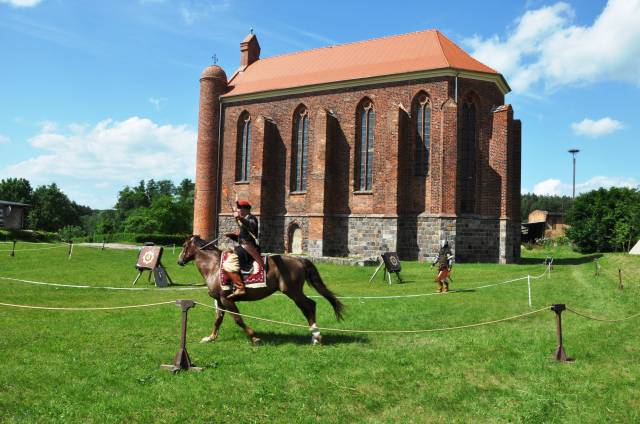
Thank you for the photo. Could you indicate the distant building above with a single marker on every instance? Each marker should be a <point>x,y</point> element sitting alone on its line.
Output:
<point>543,224</point>
<point>12,215</point>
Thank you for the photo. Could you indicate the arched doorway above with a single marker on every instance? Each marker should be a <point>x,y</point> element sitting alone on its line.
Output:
<point>295,238</point>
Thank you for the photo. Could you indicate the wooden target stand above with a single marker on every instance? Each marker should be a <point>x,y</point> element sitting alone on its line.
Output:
<point>391,264</point>
<point>149,260</point>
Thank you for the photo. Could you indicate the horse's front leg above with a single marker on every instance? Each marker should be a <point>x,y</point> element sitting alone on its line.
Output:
<point>231,307</point>
<point>216,325</point>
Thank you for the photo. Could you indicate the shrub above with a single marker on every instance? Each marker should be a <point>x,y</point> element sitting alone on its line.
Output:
<point>28,235</point>
<point>70,232</point>
<point>161,239</point>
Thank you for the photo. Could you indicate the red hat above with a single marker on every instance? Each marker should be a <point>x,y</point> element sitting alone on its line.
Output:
<point>243,204</point>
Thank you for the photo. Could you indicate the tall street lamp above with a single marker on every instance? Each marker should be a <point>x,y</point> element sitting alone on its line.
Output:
<point>573,153</point>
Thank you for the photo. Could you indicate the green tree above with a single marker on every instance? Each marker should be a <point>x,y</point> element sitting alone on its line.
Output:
<point>530,202</point>
<point>605,219</point>
<point>131,198</point>
<point>186,190</point>
<point>141,221</point>
<point>16,190</point>
<point>52,209</point>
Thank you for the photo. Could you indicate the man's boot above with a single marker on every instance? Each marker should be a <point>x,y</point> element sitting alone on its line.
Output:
<point>251,250</point>
<point>238,285</point>
<point>445,287</point>
<point>440,286</point>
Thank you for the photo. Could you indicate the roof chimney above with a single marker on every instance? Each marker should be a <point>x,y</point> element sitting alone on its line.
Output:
<point>249,50</point>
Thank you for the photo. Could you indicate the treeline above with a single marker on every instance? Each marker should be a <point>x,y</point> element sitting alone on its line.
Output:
<point>605,220</point>
<point>530,202</point>
<point>151,207</point>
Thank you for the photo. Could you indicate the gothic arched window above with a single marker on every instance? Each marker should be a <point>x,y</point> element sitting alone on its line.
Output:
<point>243,150</point>
<point>468,150</point>
<point>423,134</point>
<point>300,151</point>
<point>366,124</point>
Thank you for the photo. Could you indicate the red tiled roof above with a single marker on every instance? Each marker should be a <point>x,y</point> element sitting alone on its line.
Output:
<point>416,51</point>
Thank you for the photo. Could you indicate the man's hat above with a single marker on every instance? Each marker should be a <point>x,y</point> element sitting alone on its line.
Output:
<point>243,204</point>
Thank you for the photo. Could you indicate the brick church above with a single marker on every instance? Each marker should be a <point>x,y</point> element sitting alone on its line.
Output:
<point>389,144</point>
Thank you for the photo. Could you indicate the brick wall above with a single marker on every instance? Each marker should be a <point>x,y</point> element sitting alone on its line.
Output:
<point>404,212</point>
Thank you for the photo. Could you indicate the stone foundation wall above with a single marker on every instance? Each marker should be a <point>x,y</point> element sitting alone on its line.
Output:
<point>372,236</point>
<point>413,237</point>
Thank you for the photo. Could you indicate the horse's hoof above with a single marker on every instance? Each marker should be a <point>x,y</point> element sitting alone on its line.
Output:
<point>256,341</point>
<point>207,339</point>
<point>316,340</point>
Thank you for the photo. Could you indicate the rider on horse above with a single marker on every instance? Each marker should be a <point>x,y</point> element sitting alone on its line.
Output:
<point>248,249</point>
<point>444,259</point>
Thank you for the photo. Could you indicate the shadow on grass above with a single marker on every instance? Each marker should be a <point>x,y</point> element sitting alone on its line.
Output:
<point>328,338</point>
<point>562,261</point>
<point>462,291</point>
<point>188,284</point>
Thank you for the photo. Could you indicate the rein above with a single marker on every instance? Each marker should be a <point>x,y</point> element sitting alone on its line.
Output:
<point>208,244</point>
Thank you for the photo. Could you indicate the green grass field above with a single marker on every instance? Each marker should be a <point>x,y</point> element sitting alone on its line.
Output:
<point>103,366</point>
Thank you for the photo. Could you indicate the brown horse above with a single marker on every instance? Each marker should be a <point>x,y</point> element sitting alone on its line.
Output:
<point>284,273</point>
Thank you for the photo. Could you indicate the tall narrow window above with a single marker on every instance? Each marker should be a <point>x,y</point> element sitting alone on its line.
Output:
<point>423,135</point>
<point>367,121</point>
<point>243,155</point>
<point>468,172</point>
<point>300,151</point>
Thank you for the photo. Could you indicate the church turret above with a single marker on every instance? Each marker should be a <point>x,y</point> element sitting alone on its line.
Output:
<point>213,83</point>
<point>249,50</point>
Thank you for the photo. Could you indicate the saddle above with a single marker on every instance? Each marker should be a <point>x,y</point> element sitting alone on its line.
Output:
<point>253,275</point>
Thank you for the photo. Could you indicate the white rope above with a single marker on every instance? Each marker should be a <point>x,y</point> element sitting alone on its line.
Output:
<point>36,248</point>
<point>407,296</point>
<point>429,294</point>
<point>76,286</point>
<point>346,330</point>
<point>104,308</point>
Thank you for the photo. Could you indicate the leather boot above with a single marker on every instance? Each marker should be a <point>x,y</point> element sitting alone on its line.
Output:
<point>238,285</point>
<point>445,287</point>
<point>440,286</point>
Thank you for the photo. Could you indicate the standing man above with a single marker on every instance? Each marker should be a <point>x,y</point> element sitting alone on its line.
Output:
<point>248,249</point>
<point>444,259</point>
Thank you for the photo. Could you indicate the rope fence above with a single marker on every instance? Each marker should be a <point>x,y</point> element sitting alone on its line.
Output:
<point>408,296</point>
<point>34,248</point>
<point>583,315</point>
<point>102,308</point>
<point>77,286</point>
<point>347,330</point>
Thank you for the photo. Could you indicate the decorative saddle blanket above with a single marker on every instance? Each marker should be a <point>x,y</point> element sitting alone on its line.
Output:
<point>254,278</point>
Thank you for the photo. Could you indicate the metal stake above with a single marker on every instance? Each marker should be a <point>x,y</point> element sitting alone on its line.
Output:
<point>181,361</point>
<point>560,354</point>
<point>13,249</point>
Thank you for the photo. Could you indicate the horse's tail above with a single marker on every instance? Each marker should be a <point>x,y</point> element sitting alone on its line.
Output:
<point>313,277</point>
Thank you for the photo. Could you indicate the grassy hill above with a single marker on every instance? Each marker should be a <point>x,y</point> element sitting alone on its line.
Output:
<point>103,366</point>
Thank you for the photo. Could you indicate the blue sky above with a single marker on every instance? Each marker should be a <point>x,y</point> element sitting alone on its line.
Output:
<point>98,95</point>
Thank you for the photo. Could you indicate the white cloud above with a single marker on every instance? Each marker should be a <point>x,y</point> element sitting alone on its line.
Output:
<point>118,152</point>
<point>598,128</point>
<point>21,3</point>
<point>158,102</point>
<point>4,139</point>
<point>545,47</point>
<point>196,9</point>
<point>48,126</point>
<point>558,188</point>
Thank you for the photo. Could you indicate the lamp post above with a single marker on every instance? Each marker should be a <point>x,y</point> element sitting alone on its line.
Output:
<point>573,153</point>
